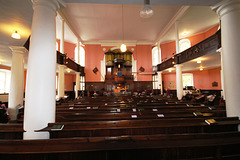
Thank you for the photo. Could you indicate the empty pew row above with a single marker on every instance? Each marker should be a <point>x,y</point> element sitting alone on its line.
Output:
<point>68,116</point>
<point>155,147</point>
<point>142,127</point>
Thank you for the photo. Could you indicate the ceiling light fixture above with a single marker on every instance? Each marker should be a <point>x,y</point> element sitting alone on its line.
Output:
<point>146,11</point>
<point>199,61</point>
<point>123,47</point>
<point>185,33</point>
<point>16,35</point>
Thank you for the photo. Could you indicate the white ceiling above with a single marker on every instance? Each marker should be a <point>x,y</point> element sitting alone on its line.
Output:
<point>95,21</point>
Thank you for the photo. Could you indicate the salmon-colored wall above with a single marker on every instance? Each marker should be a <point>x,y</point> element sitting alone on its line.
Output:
<point>94,54</point>
<point>201,79</point>
<point>143,56</point>
<point>69,49</point>
<point>69,79</point>
<point>211,31</point>
<point>167,49</point>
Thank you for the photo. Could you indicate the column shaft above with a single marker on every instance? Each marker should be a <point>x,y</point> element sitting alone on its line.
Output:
<point>40,87</point>
<point>229,12</point>
<point>17,81</point>
<point>77,84</point>
<point>179,84</point>
<point>160,81</point>
<point>62,38</point>
<point>177,37</point>
<point>61,81</point>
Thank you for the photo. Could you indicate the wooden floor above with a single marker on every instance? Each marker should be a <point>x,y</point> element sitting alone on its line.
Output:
<point>127,127</point>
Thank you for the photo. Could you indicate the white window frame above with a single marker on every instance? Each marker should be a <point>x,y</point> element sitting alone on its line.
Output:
<point>6,81</point>
<point>155,56</point>
<point>80,59</point>
<point>184,44</point>
<point>188,74</point>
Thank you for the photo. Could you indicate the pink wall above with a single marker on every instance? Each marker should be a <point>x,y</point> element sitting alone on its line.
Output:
<point>69,79</point>
<point>94,54</point>
<point>143,55</point>
<point>167,50</point>
<point>69,49</point>
<point>201,79</point>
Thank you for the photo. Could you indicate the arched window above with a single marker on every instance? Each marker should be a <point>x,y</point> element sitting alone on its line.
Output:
<point>155,56</point>
<point>5,79</point>
<point>187,79</point>
<point>184,44</point>
<point>76,55</point>
<point>80,59</point>
<point>155,61</point>
<point>82,56</point>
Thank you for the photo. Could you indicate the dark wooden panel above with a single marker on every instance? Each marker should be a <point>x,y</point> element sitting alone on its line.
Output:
<point>140,86</point>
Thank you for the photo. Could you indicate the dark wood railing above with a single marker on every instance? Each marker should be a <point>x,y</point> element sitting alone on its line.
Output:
<point>206,46</point>
<point>62,59</point>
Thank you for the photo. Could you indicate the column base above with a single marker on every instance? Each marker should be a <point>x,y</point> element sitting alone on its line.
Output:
<point>35,135</point>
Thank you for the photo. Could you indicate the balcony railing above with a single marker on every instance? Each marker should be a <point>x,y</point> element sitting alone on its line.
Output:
<point>207,46</point>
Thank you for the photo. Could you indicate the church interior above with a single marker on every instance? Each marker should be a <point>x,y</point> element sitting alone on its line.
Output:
<point>149,79</point>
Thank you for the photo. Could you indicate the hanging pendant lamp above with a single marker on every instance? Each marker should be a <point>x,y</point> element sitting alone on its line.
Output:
<point>146,11</point>
<point>123,47</point>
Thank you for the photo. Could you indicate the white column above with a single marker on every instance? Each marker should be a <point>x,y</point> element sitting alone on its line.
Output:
<point>62,37</point>
<point>177,36</point>
<point>221,73</point>
<point>78,54</point>
<point>61,81</point>
<point>160,81</point>
<point>17,81</point>
<point>179,84</point>
<point>41,83</point>
<point>77,84</point>
<point>229,13</point>
<point>159,53</point>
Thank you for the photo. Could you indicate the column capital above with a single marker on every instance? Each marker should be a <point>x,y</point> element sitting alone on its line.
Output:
<point>226,6</point>
<point>18,49</point>
<point>52,4</point>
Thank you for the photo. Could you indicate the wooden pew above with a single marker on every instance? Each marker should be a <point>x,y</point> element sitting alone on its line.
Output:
<point>142,127</point>
<point>11,131</point>
<point>78,116</point>
<point>173,146</point>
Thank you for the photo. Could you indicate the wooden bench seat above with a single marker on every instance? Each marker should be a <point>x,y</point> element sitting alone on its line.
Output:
<point>11,131</point>
<point>175,146</point>
<point>117,128</point>
<point>68,116</point>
